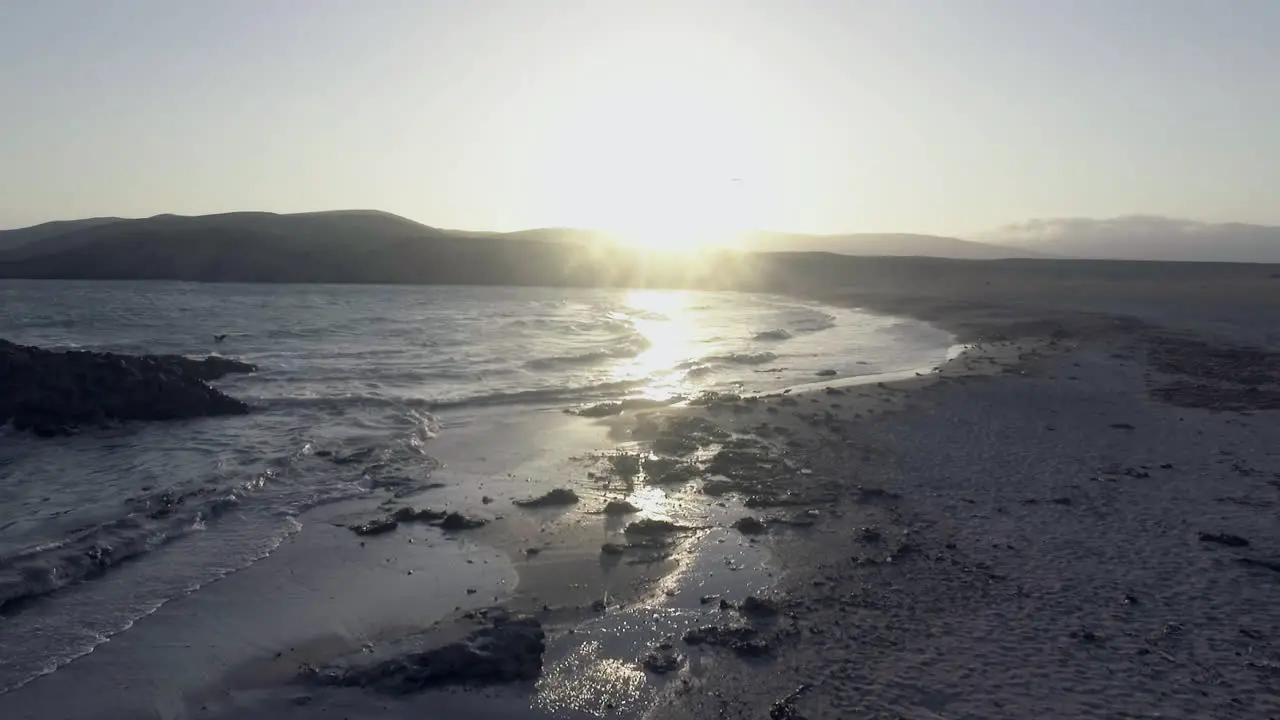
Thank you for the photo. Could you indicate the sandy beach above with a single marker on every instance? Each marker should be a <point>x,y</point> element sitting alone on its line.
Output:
<point>1073,517</point>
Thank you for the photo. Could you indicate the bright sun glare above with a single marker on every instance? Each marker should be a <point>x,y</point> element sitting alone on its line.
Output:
<point>657,147</point>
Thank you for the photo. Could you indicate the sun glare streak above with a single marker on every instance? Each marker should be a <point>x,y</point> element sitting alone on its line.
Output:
<point>661,318</point>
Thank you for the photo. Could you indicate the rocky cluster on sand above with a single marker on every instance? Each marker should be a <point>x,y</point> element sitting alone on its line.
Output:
<point>52,393</point>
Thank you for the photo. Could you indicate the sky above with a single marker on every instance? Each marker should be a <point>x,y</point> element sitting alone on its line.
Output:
<point>825,116</point>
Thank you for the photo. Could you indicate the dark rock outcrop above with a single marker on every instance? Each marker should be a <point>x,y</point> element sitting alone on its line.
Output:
<point>558,497</point>
<point>1224,539</point>
<point>508,650</point>
<point>53,393</point>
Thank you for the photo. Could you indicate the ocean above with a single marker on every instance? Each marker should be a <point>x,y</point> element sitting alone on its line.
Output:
<point>358,386</point>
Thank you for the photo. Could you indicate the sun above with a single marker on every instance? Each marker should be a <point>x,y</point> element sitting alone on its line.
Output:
<point>656,149</point>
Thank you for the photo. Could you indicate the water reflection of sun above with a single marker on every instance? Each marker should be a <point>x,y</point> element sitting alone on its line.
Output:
<point>661,317</point>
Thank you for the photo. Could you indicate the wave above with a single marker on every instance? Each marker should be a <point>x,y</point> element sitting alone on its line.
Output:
<point>566,395</point>
<point>625,349</point>
<point>90,552</point>
<point>745,358</point>
<point>156,519</point>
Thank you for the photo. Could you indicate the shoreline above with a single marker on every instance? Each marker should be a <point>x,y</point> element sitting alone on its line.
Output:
<point>866,436</point>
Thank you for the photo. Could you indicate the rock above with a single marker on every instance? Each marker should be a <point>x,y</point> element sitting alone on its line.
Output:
<point>599,410</point>
<point>758,607</point>
<point>870,535</point>
<point>554,498</point>
<point>662,659</point>
<point>376,527</point>
<point>875,494</point>
<point>668,471</point>
<point>825,373</point>
<point>652,526</point>
<point>749,526</point>
<point>625,465</point>
<point>408,514</point>
<point>1271,565</point>
<point>1122,426</point>
<point>674,445</point>
<point>740,639</point>
<point>785,709</point>
<point>1224,539</point>
<point>619,507</point>
<point>458,521</point>
<point>509,650</point>
<point>52,393</point>
<point>612,549</point>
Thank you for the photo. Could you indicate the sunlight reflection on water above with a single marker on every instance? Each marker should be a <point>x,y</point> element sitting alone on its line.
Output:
<point>662,317</point>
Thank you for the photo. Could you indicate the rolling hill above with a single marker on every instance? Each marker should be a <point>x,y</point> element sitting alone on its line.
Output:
<point>887,245</point>
<point>1143,237</point>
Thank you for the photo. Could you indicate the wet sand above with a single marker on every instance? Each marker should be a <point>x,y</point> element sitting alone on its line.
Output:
<point>1073,517</point>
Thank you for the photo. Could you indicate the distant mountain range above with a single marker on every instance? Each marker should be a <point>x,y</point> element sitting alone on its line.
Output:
<point>373,246</point>
<point>356,246</point>
<point>887,244</point>
<point>1143,237</point>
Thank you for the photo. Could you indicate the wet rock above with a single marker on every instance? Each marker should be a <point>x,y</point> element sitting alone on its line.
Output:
<point>1224,539</point>
<point>652,527</point>
<point>619,507</point>
<point>749,526</point>
<point>1122,426</point>
<point>825,373</point>
<point>755,606</point>
<point>599,410</point>
<point>509,650</point>
<point>375,527</point>
<point>785,709</point>
<point>674,445</point>
<point>662,659</point>
<point>710,397</point>
<point>408,514</point>
<point>458,521</point>
<point>625,465</point>
<point>875,494</point>
<point>52,393</point>
<point>558,497</point>
<point>720,635</point>
<point>613,549</point>
<point>667,471</point>
<point>1272,565</point>
<point>870,535</point>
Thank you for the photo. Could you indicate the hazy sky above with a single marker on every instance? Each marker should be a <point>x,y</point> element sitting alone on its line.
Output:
<point>946,116</point>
